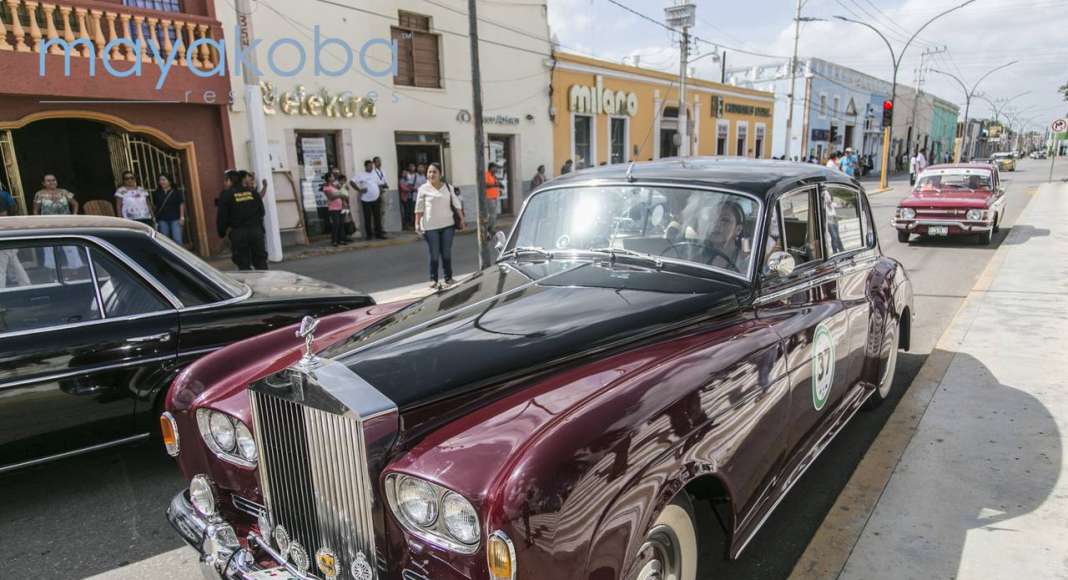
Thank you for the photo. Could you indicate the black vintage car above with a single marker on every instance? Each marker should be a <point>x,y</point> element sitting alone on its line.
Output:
<point>98,315</point>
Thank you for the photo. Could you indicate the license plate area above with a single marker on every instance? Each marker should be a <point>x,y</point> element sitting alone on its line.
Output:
<point>938,230</point>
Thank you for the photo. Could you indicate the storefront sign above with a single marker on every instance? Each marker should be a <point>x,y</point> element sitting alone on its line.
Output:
<point>821,135</point>
<point>321,104</point>
<point>598,100</point>
<point>748,110</point>
<point>500,120</point>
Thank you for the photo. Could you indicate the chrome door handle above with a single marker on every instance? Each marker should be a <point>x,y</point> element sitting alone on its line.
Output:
<point>161,337</point>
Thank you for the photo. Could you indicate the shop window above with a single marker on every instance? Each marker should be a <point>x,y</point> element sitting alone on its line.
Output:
<point>418,56</point>
<point>823,105</point>
<point>618,139</point>
<point>722,132</point>
<point>758,144</point>
<point>742,134</point>
<point>583,140</point>
<point>159,5</point>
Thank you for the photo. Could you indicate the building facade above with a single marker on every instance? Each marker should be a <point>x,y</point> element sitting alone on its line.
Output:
<point>835,107</point>
<point>606,113</point>
<point>943,130</point>
<point>418,111</point>
<point>67,110</point>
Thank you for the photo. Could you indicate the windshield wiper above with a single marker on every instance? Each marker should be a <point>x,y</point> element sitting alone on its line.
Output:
<point>613,252</point>
<point>514,253</point>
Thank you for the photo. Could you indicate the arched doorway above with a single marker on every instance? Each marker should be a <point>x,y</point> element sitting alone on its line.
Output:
<point>88,151</point>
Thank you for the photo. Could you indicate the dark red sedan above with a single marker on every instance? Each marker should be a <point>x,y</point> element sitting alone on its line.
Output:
<point>953,200</point>
<point>654,343</point>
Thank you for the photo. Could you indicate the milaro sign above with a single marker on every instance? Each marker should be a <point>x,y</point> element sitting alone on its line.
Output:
<point>598,100</point>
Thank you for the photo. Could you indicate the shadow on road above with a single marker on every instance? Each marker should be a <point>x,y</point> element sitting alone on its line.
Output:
<point>1022,233</point>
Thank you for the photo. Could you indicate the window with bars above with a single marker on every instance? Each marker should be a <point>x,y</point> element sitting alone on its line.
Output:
<point>160,5</point>
<point>418,56</point>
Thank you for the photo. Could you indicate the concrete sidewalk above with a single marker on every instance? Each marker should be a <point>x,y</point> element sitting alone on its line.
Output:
<point>979,491</point>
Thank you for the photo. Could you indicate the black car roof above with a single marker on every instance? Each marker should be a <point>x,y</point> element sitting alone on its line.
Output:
<point>67,224</point>
<point>762,178</point>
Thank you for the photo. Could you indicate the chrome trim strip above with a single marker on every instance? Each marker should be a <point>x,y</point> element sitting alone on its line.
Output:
<point>799,287</point>
<point>247,294</point>
<point>757,229</point>
<point>500,535</point>
<point>85,371</point>
<point>66,454</point>
<point>980,226</point>
<point>95,281</point>
<point>17,333</point>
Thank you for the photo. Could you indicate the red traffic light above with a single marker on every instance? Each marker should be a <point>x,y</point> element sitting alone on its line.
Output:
<point>888,105</point>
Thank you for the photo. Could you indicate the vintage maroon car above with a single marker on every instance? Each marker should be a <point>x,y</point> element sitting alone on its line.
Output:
<point>965,199</point>
<point>655,342</point>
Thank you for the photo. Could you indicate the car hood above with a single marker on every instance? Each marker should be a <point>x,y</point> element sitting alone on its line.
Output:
<point>275,285</point>
<point>957,199</point>
<point>517,320</point>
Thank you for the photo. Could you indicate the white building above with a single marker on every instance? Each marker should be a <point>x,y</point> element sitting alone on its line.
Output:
<point>418,112</point>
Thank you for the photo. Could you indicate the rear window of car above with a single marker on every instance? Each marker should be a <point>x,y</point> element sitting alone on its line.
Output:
<point>954,179</point>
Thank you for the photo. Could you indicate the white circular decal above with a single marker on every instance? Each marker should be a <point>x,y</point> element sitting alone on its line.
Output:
<point>822,365</point>
<point>657,216</point>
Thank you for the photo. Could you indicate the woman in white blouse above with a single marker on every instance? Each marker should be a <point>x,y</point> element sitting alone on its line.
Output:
<point>438,213</point>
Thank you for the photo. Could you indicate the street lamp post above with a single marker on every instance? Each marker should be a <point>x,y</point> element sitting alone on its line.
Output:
<point>968,94</point>
<point>895,59</point>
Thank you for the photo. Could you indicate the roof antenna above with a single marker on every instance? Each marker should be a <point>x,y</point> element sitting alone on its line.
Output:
<point>630,178</point>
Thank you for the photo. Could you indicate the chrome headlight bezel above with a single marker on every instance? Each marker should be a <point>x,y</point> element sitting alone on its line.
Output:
<point>906,213</point>
<point>202,495</point>
<point>436,532</point>
<point>975,215</point>
<point>206,418</point>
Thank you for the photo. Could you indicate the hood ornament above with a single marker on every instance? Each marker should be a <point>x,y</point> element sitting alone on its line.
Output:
<point>307,331</point>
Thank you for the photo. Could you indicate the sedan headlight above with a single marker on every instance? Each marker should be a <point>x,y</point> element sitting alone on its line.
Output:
<point>202,495</point>
<point>227,437</point>
<point>907,213</point>
<point>434,513</point>
<point>974,215</point>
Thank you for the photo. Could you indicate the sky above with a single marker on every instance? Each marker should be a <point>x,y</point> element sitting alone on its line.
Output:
<point>977,38</point>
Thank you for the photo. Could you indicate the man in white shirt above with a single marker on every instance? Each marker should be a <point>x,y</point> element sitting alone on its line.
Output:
<point>914,166</point>
<point>921,161</point>
<point>368,184</point>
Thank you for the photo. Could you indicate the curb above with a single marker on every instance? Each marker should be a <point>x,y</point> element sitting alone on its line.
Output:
<point>830,547</point>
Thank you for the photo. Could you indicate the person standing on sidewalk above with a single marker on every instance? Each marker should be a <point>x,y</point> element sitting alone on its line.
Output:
<point>567,167</point>
<point>133,202</point>
<point>914,165</point>
<point>438,213</point>
<point>538,179</point>
<point>493,196</point>
<point>335,204</point>
<point>240,216</point>
<point>370,201</point>
<point>407,190</point>
<point>53,200</point>
<point>169,202</point>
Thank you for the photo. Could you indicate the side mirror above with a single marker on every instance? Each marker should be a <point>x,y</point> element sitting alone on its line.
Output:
<point>781,263</point>
<point>499,240</point>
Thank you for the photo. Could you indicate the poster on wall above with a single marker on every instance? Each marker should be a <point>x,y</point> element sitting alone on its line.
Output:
<point>315,167</point>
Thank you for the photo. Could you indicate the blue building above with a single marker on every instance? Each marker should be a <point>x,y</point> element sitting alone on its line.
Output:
<point>835,107</point>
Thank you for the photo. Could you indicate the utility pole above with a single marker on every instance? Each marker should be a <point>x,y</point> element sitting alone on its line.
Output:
<point>480,138</point>
<point>793,81</point>
<point>682,16</point>
<point>920,79</point>
<point>257,130</point>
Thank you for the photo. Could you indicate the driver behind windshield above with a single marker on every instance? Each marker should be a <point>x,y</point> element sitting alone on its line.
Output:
<point>723,241</point>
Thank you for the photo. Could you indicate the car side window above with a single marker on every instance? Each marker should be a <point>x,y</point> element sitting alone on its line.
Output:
<point>45,285</point>
<point>842,211</point>
<point>122,292</point>
<point>169,271</point>
<point>800,227</point>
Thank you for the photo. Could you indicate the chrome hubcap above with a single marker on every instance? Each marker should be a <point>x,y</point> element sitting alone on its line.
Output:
<point>660,557</point>
<point>651,571</point>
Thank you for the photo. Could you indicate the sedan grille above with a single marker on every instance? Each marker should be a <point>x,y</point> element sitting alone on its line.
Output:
<point>314,478</point>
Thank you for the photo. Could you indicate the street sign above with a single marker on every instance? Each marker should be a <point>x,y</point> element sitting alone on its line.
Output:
<point>1059,125</point>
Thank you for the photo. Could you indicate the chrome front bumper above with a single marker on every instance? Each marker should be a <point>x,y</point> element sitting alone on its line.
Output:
<point>966,227</point>
<point>221,556</point>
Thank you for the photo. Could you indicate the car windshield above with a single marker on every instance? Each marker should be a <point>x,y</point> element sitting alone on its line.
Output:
<point>224,282</point>
<point>707,228</point>
<point>953,180</point>
<point>1002,156</point>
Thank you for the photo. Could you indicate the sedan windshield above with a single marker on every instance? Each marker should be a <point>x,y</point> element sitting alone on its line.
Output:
<point>707,228</point>
<point>953,180</point>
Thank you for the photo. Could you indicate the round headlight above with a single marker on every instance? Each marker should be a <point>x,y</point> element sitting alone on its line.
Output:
<point>974,215</point>
<point>417,501</point>
<point>908,213</point>
<point>222,430</point>
<point>202,496</point>
<point>460,518</point>
<point>246,445</point>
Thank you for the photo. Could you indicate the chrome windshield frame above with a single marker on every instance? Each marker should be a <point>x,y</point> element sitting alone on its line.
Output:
<point>758,228</point>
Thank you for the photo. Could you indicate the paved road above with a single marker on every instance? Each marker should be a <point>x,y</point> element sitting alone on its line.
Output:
<point>103,513</point>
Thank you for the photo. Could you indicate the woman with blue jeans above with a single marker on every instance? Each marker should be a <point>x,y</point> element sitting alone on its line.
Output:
<point>437,208</point>
<point>170,208</point>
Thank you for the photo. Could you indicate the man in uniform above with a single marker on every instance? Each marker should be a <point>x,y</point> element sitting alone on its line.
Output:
<point>241,214</point>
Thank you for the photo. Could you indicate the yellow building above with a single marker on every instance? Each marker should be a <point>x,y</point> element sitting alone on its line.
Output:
<point>612,113</point>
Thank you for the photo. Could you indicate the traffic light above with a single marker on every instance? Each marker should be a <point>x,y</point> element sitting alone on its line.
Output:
<point>888,113</point>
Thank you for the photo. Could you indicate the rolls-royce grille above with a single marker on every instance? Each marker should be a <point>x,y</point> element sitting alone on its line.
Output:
<point>314,478</point>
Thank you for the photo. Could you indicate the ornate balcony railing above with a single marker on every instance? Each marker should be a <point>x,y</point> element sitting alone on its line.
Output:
<point>28,25</point>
